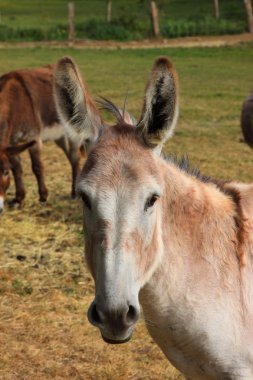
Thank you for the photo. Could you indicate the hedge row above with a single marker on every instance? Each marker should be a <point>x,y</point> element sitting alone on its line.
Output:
<point>124,30</point>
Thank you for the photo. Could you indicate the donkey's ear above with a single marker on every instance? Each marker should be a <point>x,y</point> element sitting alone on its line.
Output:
<point>160,108</point>
<point>12,150</point>
<point>75,108</point>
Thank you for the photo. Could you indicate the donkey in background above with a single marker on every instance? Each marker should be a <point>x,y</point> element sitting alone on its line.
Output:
<point>247,119</point>
<point>28,117</point>
<point>159,234</point>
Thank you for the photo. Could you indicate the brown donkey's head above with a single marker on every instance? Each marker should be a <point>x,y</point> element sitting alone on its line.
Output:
<point>122,187</point>
<point>5,167</point>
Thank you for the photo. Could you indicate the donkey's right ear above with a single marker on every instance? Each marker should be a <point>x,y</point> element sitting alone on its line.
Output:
<point>160,108</point>
<point>76,110</point>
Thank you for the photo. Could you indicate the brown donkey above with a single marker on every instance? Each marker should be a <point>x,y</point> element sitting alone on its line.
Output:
<point>162,235</point>
<point>27,112</point>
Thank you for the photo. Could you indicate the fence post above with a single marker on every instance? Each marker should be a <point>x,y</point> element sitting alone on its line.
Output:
<point>249,12</point>
<point>217,9</point>
<point>109,11</point>
<point>154,17</point>
<point>71,12</point>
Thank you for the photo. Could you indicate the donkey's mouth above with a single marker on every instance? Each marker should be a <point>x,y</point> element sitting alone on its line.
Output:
<point>115,341</point>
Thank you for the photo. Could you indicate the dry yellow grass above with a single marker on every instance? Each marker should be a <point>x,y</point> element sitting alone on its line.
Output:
<point>45,291</point>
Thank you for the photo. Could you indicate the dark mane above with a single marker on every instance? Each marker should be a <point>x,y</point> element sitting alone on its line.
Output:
<point>109,106</point>
<point>183,164</point>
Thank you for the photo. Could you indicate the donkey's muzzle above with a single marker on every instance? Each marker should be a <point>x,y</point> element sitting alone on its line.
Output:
<point>116,325</point>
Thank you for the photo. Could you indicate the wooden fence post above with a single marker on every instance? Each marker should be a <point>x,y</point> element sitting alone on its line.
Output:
<point>217,9</point>
<point>154,17</point>
<point>71,12</point>
<point>109,11</point>
<point>249,12</point>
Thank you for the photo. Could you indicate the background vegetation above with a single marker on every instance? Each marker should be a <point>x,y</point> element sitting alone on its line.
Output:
<point>45,288</point>
<point>47,20</point>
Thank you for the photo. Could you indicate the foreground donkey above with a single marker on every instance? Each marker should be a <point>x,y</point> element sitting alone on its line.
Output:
<point>162,235</point>
<point>27,112</point>
<point>247,119</point>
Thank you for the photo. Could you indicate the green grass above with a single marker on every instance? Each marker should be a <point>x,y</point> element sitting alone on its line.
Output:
<point>44,333</point>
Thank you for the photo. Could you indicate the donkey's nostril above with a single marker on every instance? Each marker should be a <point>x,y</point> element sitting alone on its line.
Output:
<point>132,315</point>
<point>94,315</point>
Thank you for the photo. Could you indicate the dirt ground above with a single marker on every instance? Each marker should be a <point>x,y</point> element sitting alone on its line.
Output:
<point>206,41</point>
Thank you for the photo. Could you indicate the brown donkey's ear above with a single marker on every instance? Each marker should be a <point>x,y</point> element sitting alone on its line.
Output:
<point>76,109</point>
<point>16,149</point>
<point>160,108</point>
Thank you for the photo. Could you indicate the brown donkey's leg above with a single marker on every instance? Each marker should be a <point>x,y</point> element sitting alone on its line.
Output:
<point>17,171</point>
<point>73,155</point>
<point>38,170</point>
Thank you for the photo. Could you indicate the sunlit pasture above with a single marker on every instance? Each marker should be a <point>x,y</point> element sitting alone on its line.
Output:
<point>45,288</point>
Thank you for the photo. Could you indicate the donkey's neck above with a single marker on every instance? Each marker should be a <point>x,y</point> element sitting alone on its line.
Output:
<point>199,232</point>
<point>198,235</point>
<point>199,251</point>
<point>199,269</point>
<point>198,222</point>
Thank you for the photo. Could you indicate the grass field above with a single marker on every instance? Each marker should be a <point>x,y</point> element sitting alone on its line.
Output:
<point>45,288</point>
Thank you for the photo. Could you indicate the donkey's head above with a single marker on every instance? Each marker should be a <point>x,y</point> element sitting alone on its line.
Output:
<point>5,167</point>
<point>121,186</point>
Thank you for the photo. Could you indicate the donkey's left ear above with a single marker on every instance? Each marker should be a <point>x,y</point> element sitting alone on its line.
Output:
<point>160,108</point>
<point>75,107</point>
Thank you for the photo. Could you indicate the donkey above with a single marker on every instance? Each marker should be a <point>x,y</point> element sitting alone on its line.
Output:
<point>160,235</point>
<point>27,113</point>
<point>247,120</point>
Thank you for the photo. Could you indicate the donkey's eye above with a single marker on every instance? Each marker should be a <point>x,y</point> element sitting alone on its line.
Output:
<point>151,201</point>
<point>86,200</point>
<point>6,173</point>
